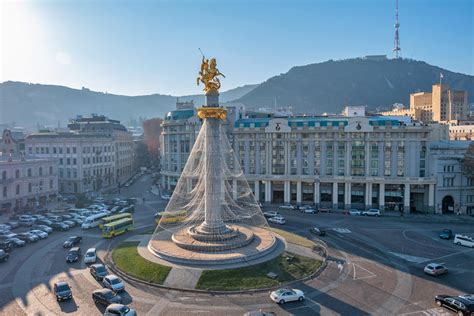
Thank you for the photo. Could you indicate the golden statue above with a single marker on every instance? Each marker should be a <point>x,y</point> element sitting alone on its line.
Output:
<point>208,75</point>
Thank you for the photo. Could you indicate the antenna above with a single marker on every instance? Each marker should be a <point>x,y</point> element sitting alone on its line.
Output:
<point>396,48</point>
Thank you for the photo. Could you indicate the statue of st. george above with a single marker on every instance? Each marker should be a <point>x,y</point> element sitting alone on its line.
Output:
<point>208,75</point>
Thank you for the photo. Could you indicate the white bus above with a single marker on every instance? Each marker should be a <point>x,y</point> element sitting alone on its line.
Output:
<point>93,220</point>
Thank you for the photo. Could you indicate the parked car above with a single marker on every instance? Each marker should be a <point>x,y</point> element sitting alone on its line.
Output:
<point>287,206</point>
<point>113,282</point>
<point>66,217</point>
<point>463,304</point>
<point>446,234</point>
<point>5,227</point>
<point>115,209</point>
<point>324,210</point>
<point>282,296</point>
<point>62,290</point>
<point>70,223</point>
<point>78,221</point>
<point>4,255</point>
<point>277,220</point>
<point>90,256</point>
<point>16,242</point>
<point>73,255</point>
<point>72,241</point>
<point>106,297</point>
<point>41,234</point>
<point>308,210</point>
<point>59,227</point>
<point>270,214</point>
<point>28,237</point>
<point>98,271</point>
<point>6,245</point>
<point>43,228</point>
<point>13,224</point>
<point>128,209</point>
<point>463,240</point>
<point>318,231</point>
<point>45,221</point>
<point>371,212</point>
<point>119,309</point>
<point>37,217</point>
<point>435,269</point>
<point>27,221</point>
<point>353,212</point>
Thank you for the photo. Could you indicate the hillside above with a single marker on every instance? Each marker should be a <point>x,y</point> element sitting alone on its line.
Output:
<point>330,85</point>
<point>27,104</point>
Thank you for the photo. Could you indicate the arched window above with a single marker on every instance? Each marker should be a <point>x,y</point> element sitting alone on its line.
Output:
<point>40,171</point>
<point>5,191</point>
<point>29,172</point>
<point>4,175</point>
<point>17,189</point>
<point>17,174</point>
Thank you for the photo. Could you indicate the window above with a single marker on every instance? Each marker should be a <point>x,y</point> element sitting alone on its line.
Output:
<point>51,184</point>
<point>40,171</point>
<point>29,172</point>
<point>54,150</point>
<point>73,150</point>
<point>50,169</point>
<point>17,174</point>
<point>30,187</point>
<point>68,150</point>
<point>17,189</point>
<point>4,175</point>
<point>5,191</point>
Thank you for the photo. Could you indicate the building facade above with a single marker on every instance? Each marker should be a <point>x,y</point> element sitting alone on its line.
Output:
<point>27,182</point>
<point>12,142</point>
<point>442,104</point>
<point>330,161</point>
<point>152,135</point>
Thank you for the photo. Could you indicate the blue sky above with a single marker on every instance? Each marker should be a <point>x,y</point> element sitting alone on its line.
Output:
<point>143,47</point>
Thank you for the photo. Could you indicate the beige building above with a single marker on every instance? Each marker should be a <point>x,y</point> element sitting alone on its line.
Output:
<point>461,130</point>
<point>442,104</point>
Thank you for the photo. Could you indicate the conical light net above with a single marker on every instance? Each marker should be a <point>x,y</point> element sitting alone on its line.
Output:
<point>212,199</point>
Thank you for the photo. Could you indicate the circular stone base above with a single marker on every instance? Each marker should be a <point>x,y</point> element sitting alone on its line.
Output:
<point>263,243</point>
<point>237,237</point>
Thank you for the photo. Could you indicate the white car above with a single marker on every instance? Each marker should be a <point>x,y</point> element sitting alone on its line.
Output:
<point>435,269</point>
<point>287,206</point>
<point>113,282</point>
<point>90,256</point>
<point>308,210</point>
<point>277,220</point>
<point>282,296</point>
<point>353,212</point>
<point>270,214</point>
<point>119,310</point>
<point>166,197</point>
<point>371,212</point>
<point>41,234</point>
<point>464,240</point>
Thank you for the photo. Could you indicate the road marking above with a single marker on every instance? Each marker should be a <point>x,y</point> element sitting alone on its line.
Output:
<point>342,230</point>
<point>452,254</point>
<point>371,275</point>
<point>409,258</point>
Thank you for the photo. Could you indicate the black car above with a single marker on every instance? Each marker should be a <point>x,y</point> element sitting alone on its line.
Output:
<point>59,227</point>
<point>62,290</point>
<point>72,241</point>
<point>73,255</point>
<point>98,271</point>
<point>16,242</point>
<point>4,255</point>
<point>318,231</point>
<point>463,304</point>
<point>5,245</point>
<point>106,297</point>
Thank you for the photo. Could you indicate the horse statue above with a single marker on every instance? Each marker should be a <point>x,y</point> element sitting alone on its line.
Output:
<point>208,75</point>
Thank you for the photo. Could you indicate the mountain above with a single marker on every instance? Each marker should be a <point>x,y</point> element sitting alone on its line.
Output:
<point>331,85</point>
<point>28,104</point>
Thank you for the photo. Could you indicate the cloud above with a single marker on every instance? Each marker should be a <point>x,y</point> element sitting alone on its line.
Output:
<point>63,58</point>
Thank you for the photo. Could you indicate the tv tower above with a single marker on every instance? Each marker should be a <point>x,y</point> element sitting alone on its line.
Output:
<point>396,48</point>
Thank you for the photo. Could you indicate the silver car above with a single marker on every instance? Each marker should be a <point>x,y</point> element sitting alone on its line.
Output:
<point>435,269</point>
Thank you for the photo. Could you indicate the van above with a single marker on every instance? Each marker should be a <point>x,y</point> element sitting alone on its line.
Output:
<point>464,240</point>
<point>94,220</point>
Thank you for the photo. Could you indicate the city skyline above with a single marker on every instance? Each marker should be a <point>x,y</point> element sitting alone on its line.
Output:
<point>133,50</point>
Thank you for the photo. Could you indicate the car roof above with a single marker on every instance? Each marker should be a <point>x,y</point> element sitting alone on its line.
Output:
<point>91,250</point>
<point>112,276</point>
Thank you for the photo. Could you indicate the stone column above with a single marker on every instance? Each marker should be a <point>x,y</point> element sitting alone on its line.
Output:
<point>406,199</point>
<point>268,191</point>
<point>431,198</point>
<point>368,195</point>
<point>347,195</point>
<point>334,195</point>
<point>286,192</point>
<point>382,197</point>
<point>298,192</point>
<point>257,190</point>
<point>317,190</point>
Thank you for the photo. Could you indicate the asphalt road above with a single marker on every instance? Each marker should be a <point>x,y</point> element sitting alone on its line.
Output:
<point>375,267</point>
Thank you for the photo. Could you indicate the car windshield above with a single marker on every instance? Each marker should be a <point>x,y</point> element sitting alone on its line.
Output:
<point>63,288</point>
<point>73,252</point>
<point>115,281</point>
<point>90,254</point>
<point>109,294</point>
<point>100,269</point>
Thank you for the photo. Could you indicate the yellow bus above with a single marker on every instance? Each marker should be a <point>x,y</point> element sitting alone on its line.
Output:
<point>113,218</point>
<point>118,227</point>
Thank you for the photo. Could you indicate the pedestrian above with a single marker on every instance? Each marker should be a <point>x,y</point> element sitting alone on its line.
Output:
<point>143,200</point>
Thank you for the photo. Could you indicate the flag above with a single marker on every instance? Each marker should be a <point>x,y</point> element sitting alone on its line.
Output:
<point>441,75</point>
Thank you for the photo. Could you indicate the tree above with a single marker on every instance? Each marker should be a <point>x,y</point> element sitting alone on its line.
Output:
<point>467,163</point>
